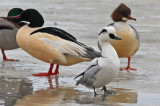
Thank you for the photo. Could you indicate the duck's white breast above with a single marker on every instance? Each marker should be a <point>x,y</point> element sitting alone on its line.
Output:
<point>109,70</point>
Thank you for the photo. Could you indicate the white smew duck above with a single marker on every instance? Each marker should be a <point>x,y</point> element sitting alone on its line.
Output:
<point>102,70</point>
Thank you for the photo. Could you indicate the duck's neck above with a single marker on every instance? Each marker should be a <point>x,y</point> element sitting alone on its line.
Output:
<point>15,20</point>
<point>108,51</point>
<point>124,22</point>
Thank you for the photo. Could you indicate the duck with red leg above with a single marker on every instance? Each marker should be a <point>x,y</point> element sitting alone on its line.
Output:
<point>8,30</point>
<point>50,44</point>
<point>130,37</point>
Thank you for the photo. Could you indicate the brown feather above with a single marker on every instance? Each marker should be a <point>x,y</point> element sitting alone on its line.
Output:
<point>121,11</point>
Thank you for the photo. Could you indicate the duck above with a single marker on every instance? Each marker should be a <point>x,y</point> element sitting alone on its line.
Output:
<point>130,38</point>
<point>50,44</point>
<point>8,30</point>
<point>102,70</point>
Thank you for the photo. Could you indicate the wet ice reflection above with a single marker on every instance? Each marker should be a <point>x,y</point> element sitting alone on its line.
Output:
<point>11,89</point>
<point>59,92</point>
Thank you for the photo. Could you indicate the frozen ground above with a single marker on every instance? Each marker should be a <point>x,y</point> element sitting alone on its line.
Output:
<point>84,19</point>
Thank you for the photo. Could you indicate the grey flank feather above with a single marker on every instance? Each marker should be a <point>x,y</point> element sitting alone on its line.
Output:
<point>88,76</point>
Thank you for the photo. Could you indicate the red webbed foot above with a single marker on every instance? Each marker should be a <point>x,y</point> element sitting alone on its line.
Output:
<point>127,69</point>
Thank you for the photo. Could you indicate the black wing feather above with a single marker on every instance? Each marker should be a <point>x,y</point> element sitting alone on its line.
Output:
<point>57,32</point>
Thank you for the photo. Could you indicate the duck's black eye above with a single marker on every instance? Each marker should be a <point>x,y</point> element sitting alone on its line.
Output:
<point>103,30</point>
<point>111,35</point>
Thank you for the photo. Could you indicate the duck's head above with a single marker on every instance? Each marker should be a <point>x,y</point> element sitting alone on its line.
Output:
<point>122,13</point>
<point>108,33</point>
<point>14,12</point>
<point>32,16</point>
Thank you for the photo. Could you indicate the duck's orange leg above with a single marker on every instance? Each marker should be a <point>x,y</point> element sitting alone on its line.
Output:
<point>49,72</point>
<point>5,57</point>
<point>128,67</point>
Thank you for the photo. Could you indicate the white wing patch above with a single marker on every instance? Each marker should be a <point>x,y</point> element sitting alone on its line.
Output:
<point>65,47</point>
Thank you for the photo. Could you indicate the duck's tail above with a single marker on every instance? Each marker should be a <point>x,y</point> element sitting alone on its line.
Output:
<point>90,52</point>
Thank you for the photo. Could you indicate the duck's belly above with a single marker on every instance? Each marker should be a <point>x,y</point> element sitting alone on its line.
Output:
<point>48,53</point>
<point>73,60</point>
<point>42,51</point>
<point>8,40</point>
<point>127,46</point>
<point>51,56</point>
<point>107,75</point>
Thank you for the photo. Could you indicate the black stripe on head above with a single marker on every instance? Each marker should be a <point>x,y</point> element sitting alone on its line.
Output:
<point>103,30</point>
